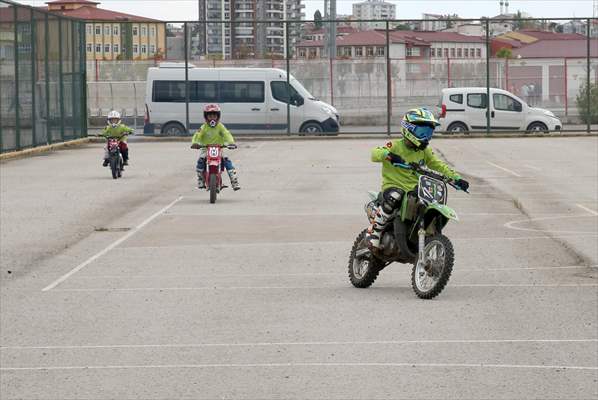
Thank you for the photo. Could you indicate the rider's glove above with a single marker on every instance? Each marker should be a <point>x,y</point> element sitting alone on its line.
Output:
<point>393,158</point>
<point>462,184</point>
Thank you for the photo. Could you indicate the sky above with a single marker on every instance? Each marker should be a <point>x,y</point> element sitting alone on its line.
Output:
<point>184,10</point>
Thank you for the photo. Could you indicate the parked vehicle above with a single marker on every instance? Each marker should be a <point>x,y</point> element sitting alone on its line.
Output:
<point>254,100</point>
<point>413,237</point>
<point>464,109</point>
<point>214,168</point>
<point>115,159</point>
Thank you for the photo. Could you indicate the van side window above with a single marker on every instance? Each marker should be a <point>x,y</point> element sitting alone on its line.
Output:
<point>204,92</point>
<point>477,100</point>
<point>241,92</point>
<point>506,103</point>
<point>283,92</point>
<point>169,92</point>
<point>456,98</point>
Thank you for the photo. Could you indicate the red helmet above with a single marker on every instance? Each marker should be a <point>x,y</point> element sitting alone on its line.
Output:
<point>211,109</point>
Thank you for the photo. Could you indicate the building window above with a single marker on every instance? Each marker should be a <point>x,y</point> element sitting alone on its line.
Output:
<point>459,52</point>
<point>98,30</point>
<point>115,48</point>
<point>313,53</point>
<point>153,31</point>
<point>369,52</point>
<point>413,52</point>
<point>106,48</point>
<point>380,51</point>
<point>478,53</point>
<point>432,52</point>
<point>453,52</point>
<point>89,29</point>
<point>302,52</point>
<point>358,51</point>
<point>135,31</point>
<point>98,48</point>
<point>89,47</point>
<point>115,30</point>
<point>466,53</point>
<point>143,49</point>
<point>471,52</point>
<point>135,49</point>
<point>143,31</point>
<point>107,31</point>
<point>152,49</point>
<point>347,51</point>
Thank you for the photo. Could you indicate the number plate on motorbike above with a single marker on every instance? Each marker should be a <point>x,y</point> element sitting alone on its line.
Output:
<point>213,151</point>
<point>431,190</point>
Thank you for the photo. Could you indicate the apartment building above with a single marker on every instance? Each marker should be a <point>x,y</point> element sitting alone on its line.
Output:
<point>374,9</point>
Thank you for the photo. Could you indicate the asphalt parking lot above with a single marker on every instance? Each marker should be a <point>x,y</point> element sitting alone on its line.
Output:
<point>141,289</point>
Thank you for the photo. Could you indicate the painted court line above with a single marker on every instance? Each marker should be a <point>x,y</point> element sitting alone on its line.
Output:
<point>594,213</point>
<point>322,287</point>
<point>505,169</point>
<point>311,343</point>
<point>299,364</point>
<point>109,247</point>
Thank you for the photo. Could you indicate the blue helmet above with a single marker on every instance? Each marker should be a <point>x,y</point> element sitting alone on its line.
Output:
<point>418,127</point>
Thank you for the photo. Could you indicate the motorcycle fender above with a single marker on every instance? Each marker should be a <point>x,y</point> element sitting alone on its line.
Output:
<point>213,168</point>
<point>443,210</point>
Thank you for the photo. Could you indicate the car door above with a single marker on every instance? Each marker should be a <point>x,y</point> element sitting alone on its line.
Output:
<point>476,110</point>
<point>506,112</point>
<point>281,96</point>
<point>243,105</point>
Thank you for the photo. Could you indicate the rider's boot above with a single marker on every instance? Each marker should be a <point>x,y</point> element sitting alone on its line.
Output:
<point>232,174</point>
<point>376,229</point>
<point>201,183</point>
<point>125,154</point>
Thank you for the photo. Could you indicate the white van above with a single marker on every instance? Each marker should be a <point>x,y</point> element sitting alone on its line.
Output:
<point>253,100</point>
<point>464,109</point>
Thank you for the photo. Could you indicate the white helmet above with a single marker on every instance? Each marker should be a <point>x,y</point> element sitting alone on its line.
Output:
<point>113,115</point>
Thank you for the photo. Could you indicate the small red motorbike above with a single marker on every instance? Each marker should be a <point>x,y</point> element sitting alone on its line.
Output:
<point>214,168</point>
<point>115,158</point>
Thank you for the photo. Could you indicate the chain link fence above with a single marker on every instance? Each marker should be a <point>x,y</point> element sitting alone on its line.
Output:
<point>42,78</point>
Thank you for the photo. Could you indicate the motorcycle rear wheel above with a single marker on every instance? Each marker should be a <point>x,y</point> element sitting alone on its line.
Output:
<point>430,279</point>
<point>213,185</point>
<point>363,271</point>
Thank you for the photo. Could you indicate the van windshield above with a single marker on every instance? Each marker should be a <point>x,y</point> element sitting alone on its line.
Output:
<point>299,88</point>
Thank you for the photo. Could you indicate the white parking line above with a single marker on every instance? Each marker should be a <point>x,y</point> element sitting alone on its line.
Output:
<point>511,224</point>
<point>594,213</point>
<point>505,169</point>
<point>299,364</point>
<point>109,247</point>
<point>312,343</point>
<point>322,287</point>
<point>532,167</point>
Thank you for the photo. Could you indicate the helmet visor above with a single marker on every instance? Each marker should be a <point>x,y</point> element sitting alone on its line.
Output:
<point>423,132</point>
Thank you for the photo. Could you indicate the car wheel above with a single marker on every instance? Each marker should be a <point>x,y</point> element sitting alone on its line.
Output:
<point>312,127</point>
<point>173,129</point>
<point>537,127</point>
<point>457,127</point>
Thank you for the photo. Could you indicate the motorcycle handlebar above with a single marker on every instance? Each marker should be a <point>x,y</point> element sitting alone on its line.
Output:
<point>423,171</point>
<point>201,146</point>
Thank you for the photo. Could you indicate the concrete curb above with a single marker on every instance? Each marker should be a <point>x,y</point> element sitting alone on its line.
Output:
<point>357,136</point>
<point>42,149</point>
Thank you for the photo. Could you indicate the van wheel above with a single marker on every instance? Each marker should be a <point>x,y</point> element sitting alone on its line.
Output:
<point>537,127</point>
<point>312,127</point>
<point>173,129</point>
<point>457,127</point>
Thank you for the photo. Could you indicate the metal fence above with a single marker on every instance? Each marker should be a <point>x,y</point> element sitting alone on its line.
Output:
<point>42,78</point>
<point>374,72</point>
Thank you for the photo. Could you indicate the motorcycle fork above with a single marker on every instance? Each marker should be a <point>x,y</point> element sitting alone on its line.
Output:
<point>421,236</point>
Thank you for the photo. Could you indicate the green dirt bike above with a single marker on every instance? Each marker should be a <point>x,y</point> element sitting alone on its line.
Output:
<point>412,236</point>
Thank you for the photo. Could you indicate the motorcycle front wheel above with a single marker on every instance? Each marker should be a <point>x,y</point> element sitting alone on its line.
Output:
<point>114,167</point>
<point>213,185</point>
<point>429,278</point>
<point>363,268</point>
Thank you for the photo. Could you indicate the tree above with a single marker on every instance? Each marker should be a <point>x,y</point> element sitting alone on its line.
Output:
<point>586,114</point>
<point>402,27</point>
<point>318,19</point>
<point>504,52</point>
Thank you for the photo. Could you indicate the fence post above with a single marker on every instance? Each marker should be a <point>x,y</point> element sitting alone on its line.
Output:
<point>388,81</point>
<point>588,83</point>
<point>33,78</point>
<point>60,80</point>
<point>448,71</point>
<point>331,84</point>
<point>73,78</point>
<point>47,73</point>
<point>487,76</point>
<point>187,78</point>
<point>566,90</point>
<point>83,77</point>
<point>288,66</point>
<point>16,99</point>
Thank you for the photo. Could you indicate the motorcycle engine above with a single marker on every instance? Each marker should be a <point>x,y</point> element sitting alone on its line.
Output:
<point>389,244</point>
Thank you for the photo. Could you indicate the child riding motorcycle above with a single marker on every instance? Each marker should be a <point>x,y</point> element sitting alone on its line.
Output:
<point>417,128</point>
<point>213,132</point>
<point>116,129</point>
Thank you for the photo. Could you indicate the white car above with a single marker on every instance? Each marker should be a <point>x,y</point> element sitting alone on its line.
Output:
<point>464,109</point>
<point>253,100</point>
